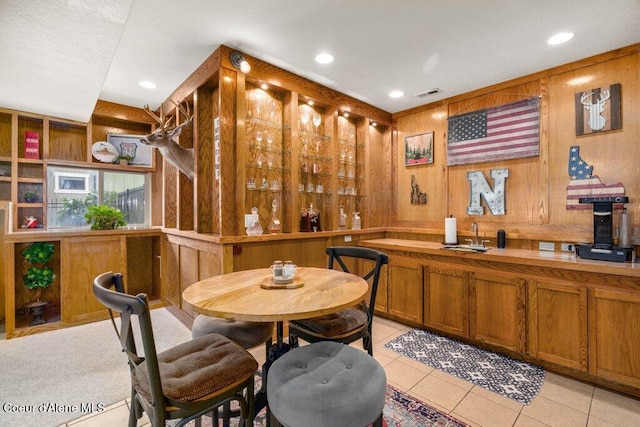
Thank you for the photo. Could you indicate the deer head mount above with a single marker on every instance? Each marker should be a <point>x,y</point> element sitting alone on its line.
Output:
<point>163,139</point>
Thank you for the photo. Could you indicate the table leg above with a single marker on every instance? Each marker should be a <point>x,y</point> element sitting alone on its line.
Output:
<point>276,350</point>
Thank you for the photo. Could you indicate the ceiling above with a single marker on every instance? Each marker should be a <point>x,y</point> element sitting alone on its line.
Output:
<point>59,57</point>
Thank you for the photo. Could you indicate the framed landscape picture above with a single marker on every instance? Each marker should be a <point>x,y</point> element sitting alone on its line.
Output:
<point>418,149</point>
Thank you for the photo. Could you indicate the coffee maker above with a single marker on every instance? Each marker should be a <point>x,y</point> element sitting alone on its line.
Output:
<point>603,247</point>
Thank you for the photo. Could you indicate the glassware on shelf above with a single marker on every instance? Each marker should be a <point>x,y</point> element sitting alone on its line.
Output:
<point>259,138</point>
<point>251,183</point>
<point>256,228</point>
<point>270,159</point>
<point>350,155</point>
<point>265,184</point>
<point>269,141</point>
<point>355,222</point>
<point>274,224</point>
<point>342,219</point>
<point>343,155</point>
<point>259,160</point>
<point>305,224</point>
<point>310,187</point>
<point>317,120</point>
<point>275,186</point>
<point>304,118</point>
<point>341,172</point>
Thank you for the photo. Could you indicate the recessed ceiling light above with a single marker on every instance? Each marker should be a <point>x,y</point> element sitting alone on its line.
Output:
<point>560,38</point>
<point>324,58</point>
<point>396,94</point>
<point>264,86</point>
<point>147,84</point>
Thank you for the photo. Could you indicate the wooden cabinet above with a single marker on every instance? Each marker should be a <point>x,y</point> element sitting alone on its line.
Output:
<point>557,322</point>
<point>381,305</point>
<point>404,289</point>
<point>614,336</point>
<point>81,260</point>
<point>446,299</point>
<point>497,307</point>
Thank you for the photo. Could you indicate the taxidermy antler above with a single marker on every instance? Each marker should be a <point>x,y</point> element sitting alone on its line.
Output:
<point>163,139</point>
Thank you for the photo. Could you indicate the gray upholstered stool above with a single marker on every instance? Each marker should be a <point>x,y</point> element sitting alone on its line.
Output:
<point>245,334</point>
<point>326,384</point>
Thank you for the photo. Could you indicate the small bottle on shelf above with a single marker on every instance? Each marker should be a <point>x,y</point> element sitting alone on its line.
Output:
<point>274,224</point>
<point>342,219</point>
<point>355,223</point>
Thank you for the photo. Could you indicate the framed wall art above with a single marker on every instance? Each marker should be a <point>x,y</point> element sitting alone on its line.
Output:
<point>598,110</point>
<point>418,149</point>
<point>130,145</point>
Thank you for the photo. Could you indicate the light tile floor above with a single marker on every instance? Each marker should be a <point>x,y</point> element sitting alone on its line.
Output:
<point>562,401</point>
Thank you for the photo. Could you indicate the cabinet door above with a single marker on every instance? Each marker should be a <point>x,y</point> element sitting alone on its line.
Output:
<point>614,336</point>
<point>405,289</point>
<point>497,310</point>
<point>81,260</point>
<point>446,302</point>
<point>558,323</point>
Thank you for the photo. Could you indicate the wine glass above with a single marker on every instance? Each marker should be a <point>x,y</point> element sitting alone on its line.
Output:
<point>316,121</point>
<point>304,118</point>
<point>269,140</point>
<point>259,137</point>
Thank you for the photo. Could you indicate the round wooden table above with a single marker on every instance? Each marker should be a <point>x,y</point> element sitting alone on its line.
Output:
<point>239,295</point>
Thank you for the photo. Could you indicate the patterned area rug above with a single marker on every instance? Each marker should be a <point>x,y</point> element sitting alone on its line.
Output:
<point>512,378</point>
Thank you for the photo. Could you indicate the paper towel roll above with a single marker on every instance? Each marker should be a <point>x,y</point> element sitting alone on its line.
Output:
<point>450,232</point>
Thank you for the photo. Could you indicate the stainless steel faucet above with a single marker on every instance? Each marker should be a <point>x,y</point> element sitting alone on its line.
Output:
<point>477,243</point>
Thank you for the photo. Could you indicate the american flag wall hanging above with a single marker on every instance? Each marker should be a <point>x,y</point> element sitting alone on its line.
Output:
<point>585,184</point>
<point>510,131</point>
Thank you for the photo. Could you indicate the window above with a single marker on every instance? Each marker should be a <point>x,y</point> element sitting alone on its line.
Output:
<point>73,190</point>
<point>71,183</point>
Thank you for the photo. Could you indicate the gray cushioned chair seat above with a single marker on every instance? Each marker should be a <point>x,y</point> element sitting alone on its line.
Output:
<point>246,334</point>
<point>197,368</point>
<point>326,384</point>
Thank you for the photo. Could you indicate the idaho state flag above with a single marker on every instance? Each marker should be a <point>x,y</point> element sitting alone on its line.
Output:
<point>598,110</point>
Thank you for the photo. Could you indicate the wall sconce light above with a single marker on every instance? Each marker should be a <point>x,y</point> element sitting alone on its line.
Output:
<point>238,61</point>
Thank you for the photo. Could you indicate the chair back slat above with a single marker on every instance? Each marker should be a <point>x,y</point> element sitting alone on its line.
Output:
<point>128,306</point>
<point>337,253</point>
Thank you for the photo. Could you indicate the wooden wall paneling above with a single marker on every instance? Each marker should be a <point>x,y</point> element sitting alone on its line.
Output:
<point>275,76</point>
<point>228,87</point>
<point>306,252</point>
<point>209,263</point>
<point>430,178</point>
<point>184,190</point>
<point>363,137</point>
<point>82,259</point>
<point>171,273</point>
<point>170,190</point>
<point>67,141</point>
<point>522,201</point>
<point>290,180</point>
<point>614,155</point>
<point>158,205</point>
<point>329,204</point>
<point>7,277</point>
<point>141,260</point>
<point>205,186</point>
<point>377,154</point>
<point>188,272</point>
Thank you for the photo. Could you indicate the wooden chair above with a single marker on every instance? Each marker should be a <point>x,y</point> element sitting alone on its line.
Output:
<point>184,382</point>
<point>353,323</point>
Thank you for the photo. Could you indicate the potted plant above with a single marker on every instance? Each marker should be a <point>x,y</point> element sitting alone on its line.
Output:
<point>123,159</point>
<point>104,217</point>
<point>30,197</point>
<point>39,276</point>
